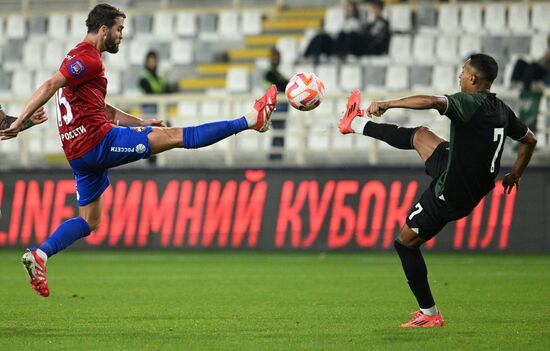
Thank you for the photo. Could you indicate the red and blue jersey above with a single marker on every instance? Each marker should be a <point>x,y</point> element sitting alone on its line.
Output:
<point>81,115</point>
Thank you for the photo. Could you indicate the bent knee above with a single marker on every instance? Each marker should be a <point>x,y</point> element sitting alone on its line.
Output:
<point>408,241</point>
<point>93,222</point>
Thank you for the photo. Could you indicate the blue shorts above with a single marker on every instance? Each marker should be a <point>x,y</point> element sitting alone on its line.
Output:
<point>121,145</point>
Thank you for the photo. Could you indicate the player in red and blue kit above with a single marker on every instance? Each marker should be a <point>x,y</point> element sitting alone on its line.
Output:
<point>97,136</point>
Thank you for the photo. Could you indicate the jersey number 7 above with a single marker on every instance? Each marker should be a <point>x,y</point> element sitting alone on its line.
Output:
<point>498,136</point>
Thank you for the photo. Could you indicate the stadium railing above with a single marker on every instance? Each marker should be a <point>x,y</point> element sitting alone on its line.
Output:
<point>310,138</point>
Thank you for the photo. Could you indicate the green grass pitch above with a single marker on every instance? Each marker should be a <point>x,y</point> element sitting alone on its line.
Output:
<point>260,301</point>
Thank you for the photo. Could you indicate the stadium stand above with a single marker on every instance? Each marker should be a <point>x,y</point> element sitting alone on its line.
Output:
<point>216,55</point>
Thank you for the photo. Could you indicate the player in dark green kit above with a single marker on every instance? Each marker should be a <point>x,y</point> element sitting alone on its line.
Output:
<point>463,170</point>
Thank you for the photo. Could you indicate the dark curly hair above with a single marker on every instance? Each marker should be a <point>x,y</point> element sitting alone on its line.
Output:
<point>102,15</point>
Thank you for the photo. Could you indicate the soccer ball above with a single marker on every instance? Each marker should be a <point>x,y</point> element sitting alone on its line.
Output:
<point>305,91</point>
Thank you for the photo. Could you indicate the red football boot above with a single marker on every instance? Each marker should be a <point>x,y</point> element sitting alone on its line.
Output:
<point>36,268</point>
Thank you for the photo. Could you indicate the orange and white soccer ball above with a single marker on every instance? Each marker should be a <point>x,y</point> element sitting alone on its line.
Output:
<point>305,91</point>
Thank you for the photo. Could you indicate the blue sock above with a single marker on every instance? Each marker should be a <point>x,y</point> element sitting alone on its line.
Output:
<point>209,133</point>
<point>66,234</point>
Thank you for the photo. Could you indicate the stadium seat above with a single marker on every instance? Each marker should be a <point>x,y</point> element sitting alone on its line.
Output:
<point>138,48</point>
<point>444,78</point>
<point>538,45</point>
<point>495,46</point>
<point>238,80</point>
<point>288,47</point>
<point>181,51</point>
<point>251,22</point>
<point>375,77</point>
<point>115,82</point>
<point>58,24</point>
<point>317,138</point>
<point>423,48</point>
<point>16,27</point>
<point>78,27</point>
<point>52,143</point>
<point>13,53</point>
<point>351,77</point>
<point>469,44</point>
<point>471,18</point>
<point>40,77</point>
<point>495,18</point>
<point>21,84</point>
<point>207,26</point>
<point>447,49</point>
<point>5,79</point>
<point>38,28</point>
<point>188,113</point>
<point>328,73</point>
<point>400,49</point>
<point>229,25</point>
<point>130,81</point>
<point>518,45</point>
<point>55,53</point>
<point>2,27</point>
<point>163,26</point>
<point>143,25</point>
<point>448,18</point>
<point>541,16</point>
<point>518,18</point>
<point>400,18</point>
<point>421,77</point>
<point>426,17</point>
<point>397,78</point>
<point>334,19</point>
<point>119,61</point>
<point>32,54</point>
<point>186,24</point>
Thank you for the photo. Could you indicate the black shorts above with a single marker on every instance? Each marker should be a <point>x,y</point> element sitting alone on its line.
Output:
<point>429,215</point>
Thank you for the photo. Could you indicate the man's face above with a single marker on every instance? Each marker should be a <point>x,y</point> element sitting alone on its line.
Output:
<point>114,36</point>
<point>466,77</point>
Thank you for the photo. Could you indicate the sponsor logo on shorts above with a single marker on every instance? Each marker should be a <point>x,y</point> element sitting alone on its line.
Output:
<point>140,148</point>
<point>139,129</point>
<point>122,149</point>
<point>76,68</point>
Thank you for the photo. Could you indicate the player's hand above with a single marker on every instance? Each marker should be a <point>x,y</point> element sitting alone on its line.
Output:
<point>40,116</point>
<point>509,181</point>
<point>12,131</point>
<point>152,123</point>
<point>377,108</point>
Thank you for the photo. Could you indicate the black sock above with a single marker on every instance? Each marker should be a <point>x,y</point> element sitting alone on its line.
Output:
<point>399,137</point>
<point>416,273</point>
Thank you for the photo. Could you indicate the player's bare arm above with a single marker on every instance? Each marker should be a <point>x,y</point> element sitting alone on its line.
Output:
<point>37,100</point>
<point>416,102</point>
<point>122,118</point>
<point>38,117</point>
<point>525,151</point>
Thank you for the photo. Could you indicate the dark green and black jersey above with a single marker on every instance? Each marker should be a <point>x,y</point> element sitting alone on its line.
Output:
<point>479,124</point>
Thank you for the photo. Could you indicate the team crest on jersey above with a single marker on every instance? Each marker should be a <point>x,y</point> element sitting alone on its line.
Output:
<point>76,68</point>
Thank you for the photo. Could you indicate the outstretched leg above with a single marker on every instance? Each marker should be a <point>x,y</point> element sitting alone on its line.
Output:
<point>162,139</point>
<point>421,139</point>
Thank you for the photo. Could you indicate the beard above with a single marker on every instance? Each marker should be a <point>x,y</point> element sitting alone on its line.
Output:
<point>110,45</point>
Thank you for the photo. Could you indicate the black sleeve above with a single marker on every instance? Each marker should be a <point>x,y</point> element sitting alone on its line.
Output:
<point>516,128</point>
<point>144,85</point>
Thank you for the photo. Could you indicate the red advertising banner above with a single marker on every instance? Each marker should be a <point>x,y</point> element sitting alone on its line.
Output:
<point>276,209</point>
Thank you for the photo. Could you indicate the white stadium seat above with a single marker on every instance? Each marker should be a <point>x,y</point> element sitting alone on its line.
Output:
<point>518,18</point>
<point>351,77</point>
<point>447,49</point>
<point>251,22</point>
<point>40,77</point>
<point>186,24</point>
<point>138,48</point>
<point>538,45</point>
<point>541,16</point>
<point>471,18</point>
<point>181,51</point>
<point>444,78</point>
<point>448,18</point>
<point>238,80</point>
<point>397,78</point>
<point>54,54</point>
<point>58,24</point>
<point>328,73</point>
<point>469,44</point>
<point>118,61</point>
<point>495,18</point>
<point>78,25</point>
<point>288,47</point>
<point>21,84</point>
<point>32,54</point>
<point>229,25</point>
<point>163,26</point>
<point>334,19</point>
<point>400,48</point>
<point>400,18</point>
<point>15,27</point>
<point>114,86</point>
<point>423,48</point>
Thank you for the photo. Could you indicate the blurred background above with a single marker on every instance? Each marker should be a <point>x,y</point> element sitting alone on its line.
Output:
<point>191,61</point>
